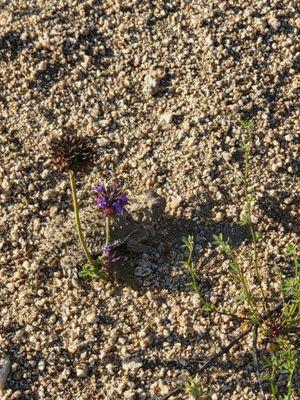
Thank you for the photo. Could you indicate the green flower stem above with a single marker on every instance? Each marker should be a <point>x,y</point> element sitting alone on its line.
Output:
<point>290,382</point>
<point>77,220</point>
<point>107,231</point>
<point>244,284</point>
<point>194,279</point>
<point>255,258</point>
<point>249,220</point>
<point>272,382</point>
<point>189,245</point>
<point>293,310</point>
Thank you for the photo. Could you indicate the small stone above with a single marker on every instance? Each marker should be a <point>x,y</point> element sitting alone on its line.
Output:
<point>26,265</point>
<point>110,368</point>
<point>274,167</point>
<point>142,271</point>
<point>44,43</point>
<point>49,194</point>
<point>79,84</point>
<point>129,394</point>
<point>142,334</point>
<point>175,202</point>
<point>19,334</point>
<point>226,156</point>
<point>151,85</point>
<point>16,395</point>
<point>41,365</point>
<point>7,395</point>
<point>65,373</point>
<point>166,118</point>
<point>254,219</point>
<point>186,126</point>
<point>200,329</point>
<point>164,389</point>
<point>73,348</point>
<point>5,185</point>
<point>92,317</point>
<point>219,216</point>
<point>42,66</point>
<point>274,23</point>
<point>104,142</point>
<point>122,340</point>
<point>132,365</point>
<point>82,371</point>
<point>24,36</point>
<point>5,366</point>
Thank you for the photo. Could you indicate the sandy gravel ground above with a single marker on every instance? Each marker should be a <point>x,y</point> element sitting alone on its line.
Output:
<point>162,86</point>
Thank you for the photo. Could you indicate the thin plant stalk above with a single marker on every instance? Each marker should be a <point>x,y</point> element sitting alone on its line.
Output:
<point>188,243</point>
<point>225,247</point>
<point>249,217</point>
<point>255,259</point>
<point>273,385</point>
<point>77,220</point>
<point>290,382</point>
<point>295,307</point>
<point>244,284</point>
<point>292,308</point>
<point>107,231</point>
<point>193,277</point>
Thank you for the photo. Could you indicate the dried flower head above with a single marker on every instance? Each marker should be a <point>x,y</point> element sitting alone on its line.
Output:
<point>110,199</point>
<point>71,152</point>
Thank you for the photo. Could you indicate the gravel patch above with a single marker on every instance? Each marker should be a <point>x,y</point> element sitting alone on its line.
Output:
<point>162,87</point>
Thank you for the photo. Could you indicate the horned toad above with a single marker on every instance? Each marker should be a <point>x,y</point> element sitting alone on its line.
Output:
<point>134,227</point>
<point>130,229</point>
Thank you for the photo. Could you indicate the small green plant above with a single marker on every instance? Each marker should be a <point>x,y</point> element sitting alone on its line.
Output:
<point>238,273</point>
<point>249,199</point>
<point>255,305</point>
<point>188,243</point>
<point>290,288</point>
<point>279,323</point>
<point>281,363</point>
<point>246,123</point>
<point>194,389</point>
<point>288,320</point>
<point>93,272</point>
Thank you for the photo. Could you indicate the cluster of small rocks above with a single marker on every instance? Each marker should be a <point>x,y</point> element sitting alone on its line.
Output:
<point>162,86</point>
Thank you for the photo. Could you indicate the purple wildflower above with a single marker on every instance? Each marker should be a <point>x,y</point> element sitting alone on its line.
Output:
<point>106,251</point>
<point>111,259</point>
<point>110,199</point>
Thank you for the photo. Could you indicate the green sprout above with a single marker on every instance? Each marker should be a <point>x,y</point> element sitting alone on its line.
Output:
<point>193,388</point>
<point>188,243</point>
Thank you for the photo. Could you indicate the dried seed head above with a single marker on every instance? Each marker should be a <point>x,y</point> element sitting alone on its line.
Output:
<point>71,152</point>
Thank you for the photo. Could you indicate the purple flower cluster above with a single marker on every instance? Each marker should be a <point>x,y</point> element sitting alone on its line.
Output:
<point>111,259</point>
<point>107,251</point>
<point>110,199</point>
